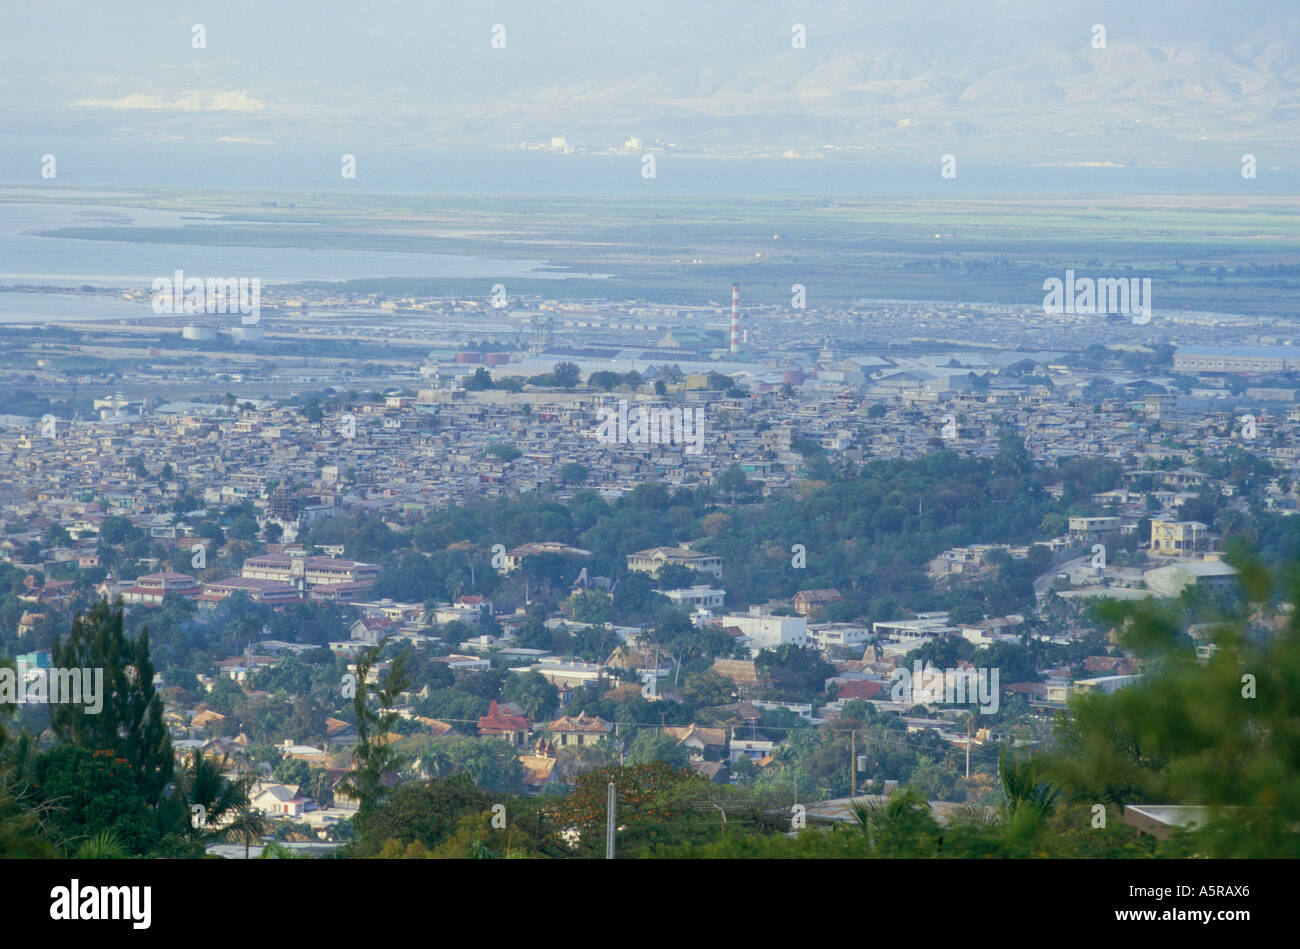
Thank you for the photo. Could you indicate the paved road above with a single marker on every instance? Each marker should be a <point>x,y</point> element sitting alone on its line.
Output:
<point>1046,580</point>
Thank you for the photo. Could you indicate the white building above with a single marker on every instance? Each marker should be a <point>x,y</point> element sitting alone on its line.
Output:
<point>561,674</point>
<point>924,626</point>
<point>702,597</point>
<point>753,750</point>
<point>1093,528</point>
<point>768,632</point>
<point>803,710</point>
<point>828,635</point>
<point>1108,685</point>
<point>1004,629</point>
<point>1172,579</point>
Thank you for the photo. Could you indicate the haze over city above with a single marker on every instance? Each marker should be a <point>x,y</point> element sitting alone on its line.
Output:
<point>739,431</point>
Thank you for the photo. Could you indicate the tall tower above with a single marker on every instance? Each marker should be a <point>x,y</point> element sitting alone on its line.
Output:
<point>735,319</point>
<point>541,334</point>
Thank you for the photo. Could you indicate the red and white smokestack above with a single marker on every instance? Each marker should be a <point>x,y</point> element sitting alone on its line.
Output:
<point>735,319</point>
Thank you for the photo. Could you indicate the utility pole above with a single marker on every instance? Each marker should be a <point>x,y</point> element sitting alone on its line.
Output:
<point>969,723</point>
<point>609,823</point>
<point>853,763</point>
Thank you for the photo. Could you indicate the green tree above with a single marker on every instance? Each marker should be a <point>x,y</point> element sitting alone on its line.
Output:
<point>656,807</point>
<point>423,811</point>
<point>573,473</point>
<point>373,754</point>
<point>604,380</point>
<point>212,805</point>
<point>733,482</point>
<point>117,530</point>
<point>88,792</point>
<point>1218,733</point>
<point>22,825</point>
<point>533,693</point>
<point>567,374</point>
<point>903,826</point>
<point>591,606</point>
<point>796,672</point>
<point>707,688</point>
<point>491,762</point>
<point>243,527</point>
<point>652,745</point>
<point>857,710</point>
<point>292,771</point>
<point>130,723</point>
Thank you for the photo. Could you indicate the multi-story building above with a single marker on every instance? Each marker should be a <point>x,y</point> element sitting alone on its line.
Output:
<point>831,635</point>
<point>259,591</point>
<point>924,626</point>
<point>312,571</point>
<point>1255,359</point>
<point>768,632</point>
<point>656,558</point>
<point>698,597</point>
<point>515,557</point>
<point>582,729</point>
<point>153,587</point>
<point>1092,528</point>
<point>1177,537</point>
<point>808,602</point>
<point>501,723</point>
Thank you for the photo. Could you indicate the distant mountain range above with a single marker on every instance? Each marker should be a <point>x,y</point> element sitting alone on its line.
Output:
<point>1006,81</point>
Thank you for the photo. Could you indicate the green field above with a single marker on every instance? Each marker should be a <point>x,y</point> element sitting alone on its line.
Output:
<point>1224,254</point>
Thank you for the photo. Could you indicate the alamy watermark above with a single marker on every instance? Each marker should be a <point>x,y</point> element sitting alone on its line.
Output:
<point>24,686</point>
<point>651,425</point>
<point>929,685</point>
<point>76,902</point>
<point>182,294</point>
<point>1126,295</point>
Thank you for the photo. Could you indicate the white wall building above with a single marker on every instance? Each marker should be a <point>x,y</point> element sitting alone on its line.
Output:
<point>768,632</point>
<point>704,597</point>
<point>828,635</point>
<point>924,626</point>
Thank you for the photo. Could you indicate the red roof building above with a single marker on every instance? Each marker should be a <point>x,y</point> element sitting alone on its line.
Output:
<point>865,689</point>
<point>499,724</point>
<point>808,602</point>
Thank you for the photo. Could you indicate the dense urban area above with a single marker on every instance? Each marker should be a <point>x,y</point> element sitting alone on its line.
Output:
<point>391,569</point>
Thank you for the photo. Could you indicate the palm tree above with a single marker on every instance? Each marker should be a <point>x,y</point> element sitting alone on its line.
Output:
<point>900,804</point>
<point>970,813</point>
<point>1024,787</point>
<point>434,760</point>
<point>898,825</point>
<point>246,827</point>
<point>103,846</point>
<point>215,807</point>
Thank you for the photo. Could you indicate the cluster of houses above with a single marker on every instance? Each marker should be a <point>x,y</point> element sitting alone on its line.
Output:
<point>409,453</point>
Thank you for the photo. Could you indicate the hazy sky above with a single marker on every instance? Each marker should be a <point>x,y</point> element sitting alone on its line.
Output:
<point>1009,81</point>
